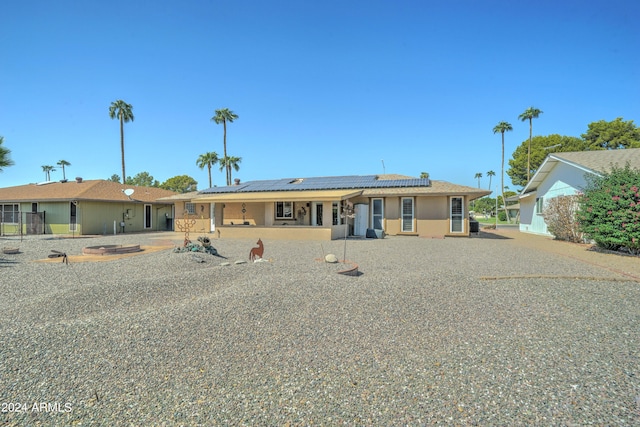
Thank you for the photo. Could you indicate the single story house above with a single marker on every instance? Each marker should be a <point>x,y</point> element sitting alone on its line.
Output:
<point>83,207</point>
<point>565,174</point>
<point>325,208</point>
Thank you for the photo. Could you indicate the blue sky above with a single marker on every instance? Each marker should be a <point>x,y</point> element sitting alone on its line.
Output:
<point>321,88</point>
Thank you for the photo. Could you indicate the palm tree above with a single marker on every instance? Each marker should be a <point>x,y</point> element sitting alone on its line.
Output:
<point>207,159</point>
<point>63,163</point>
<point>478,176</point>
<point>502,127</point>
<point>490,174</point>
<point>123,111</point>
<point>4,155</point>
<point>228,163</point>
<point>529,114</point>
<point>223,116</point>
<point>47,171</point>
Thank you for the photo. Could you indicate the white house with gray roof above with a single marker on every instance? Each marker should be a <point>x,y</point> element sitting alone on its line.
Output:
<point>565,174</point>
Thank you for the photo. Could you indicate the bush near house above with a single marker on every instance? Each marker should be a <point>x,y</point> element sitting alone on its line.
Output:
<point>560,216</point>
<point>610,210</point>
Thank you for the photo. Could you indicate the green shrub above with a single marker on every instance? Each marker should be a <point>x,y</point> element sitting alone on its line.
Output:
<point>502,216</point>
<point>609,210</point>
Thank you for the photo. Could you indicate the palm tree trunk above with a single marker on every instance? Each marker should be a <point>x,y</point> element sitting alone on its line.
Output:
<point>209,166</point>
<point>529,150</point>
<point>124,176</point>
<point>504,203</point>
<point>224,124</point>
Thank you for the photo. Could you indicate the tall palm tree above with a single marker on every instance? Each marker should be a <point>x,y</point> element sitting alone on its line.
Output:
<point>4,155</point>
<point>502,127</point>
<point>228,163</point>
<point>490,174</point>
<point>207,159</point>
<point>123,112</point>
<point>478,176</point>
<point>47,171</point>
<point>63,163</point>
<point>223,116</point>
<point>529,114</point>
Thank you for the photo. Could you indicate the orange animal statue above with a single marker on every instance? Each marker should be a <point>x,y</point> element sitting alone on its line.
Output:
<point>256,252</point>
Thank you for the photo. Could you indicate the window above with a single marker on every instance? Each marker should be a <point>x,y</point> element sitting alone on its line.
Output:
<point>10,213</point>
<point>539,205</point>
<point>335,211</point>
<point>190,208</point>
<point>457,215</point>
<point>147,216</point>
<point>284,210</point>
<point>407,214</point>
<point>377,214</point>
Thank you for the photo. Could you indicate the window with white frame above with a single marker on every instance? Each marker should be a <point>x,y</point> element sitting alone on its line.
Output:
<point>284,210</point>
<point>10,213</point>
<point>539,205</point>
<point>457,215</point>
<point>407,214</point>
<point>377,213</point>
<point>335,212</point>
<point>190,208</point>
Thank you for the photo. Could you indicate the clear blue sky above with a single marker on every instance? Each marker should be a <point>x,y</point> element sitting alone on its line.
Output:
<point>320,87</point>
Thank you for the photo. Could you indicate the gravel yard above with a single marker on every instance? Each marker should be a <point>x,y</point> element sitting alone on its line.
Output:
<point>461,331</point>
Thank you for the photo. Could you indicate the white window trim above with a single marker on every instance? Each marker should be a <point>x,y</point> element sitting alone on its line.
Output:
<point>275,213</point>
<point>190,208</point>
<point>381,213</point>
<point>539,205</point>
<point>413,214</point>
<point>451,215</point>
<point>14,212</point>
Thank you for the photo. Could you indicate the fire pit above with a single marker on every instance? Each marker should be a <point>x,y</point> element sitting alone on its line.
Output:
<point>110,249</point>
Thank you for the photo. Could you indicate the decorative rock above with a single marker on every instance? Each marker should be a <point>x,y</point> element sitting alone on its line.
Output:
<point>331,258</point>
<point>225,263</point>
<point>240,261</point>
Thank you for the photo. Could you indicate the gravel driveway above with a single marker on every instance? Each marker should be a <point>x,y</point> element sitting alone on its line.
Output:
<point>488,330</point>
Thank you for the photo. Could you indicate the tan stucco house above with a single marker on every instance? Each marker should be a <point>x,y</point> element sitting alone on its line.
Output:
<point>83,207</point>
<point>325,208</point>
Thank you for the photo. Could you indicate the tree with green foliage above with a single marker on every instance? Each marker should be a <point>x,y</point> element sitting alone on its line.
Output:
<point>478,176</point>
<point>424,175</point>
<point>228,163</point>
<point>609,211</point>
<point>180,184</point>
<point>616,134</point>
<point>142,179</point>
<point>490,174</point>
<point>63,163</point>
<point>207,159</point>
<point>114,178</point>
<point>502,127</point>
<point>5,160</point>
<point>124,113</point>
<point>223,116</point>
<point>47,169</point>
<point>541,146</point>
<point>529,114</point>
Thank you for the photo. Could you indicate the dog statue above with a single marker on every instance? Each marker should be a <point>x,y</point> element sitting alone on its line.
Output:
<point>256,252</point>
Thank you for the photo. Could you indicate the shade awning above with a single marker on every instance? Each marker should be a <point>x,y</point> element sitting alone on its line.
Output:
<point>280,196</point>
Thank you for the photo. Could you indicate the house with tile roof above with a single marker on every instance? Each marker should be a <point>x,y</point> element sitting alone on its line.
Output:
<point>82,208</point>
<point>325,208</point>
<point>565,174</point>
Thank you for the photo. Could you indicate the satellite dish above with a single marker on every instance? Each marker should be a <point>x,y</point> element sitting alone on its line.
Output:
<point>128,192</point>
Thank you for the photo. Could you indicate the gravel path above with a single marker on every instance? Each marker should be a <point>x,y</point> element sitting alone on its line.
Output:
<point>478,331</point>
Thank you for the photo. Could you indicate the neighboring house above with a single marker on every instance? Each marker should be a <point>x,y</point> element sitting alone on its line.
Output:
<point>314,208</point>
<point>83,207</point>
<point>565,174</point>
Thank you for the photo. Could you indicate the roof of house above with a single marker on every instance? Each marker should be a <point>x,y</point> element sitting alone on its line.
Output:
<point>341,187</point>
<point>96,190</point>
<point>594,162</point>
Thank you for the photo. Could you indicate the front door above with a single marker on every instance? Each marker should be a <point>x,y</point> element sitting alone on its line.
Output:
<point>457,215</point>
<point>377,214</point>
